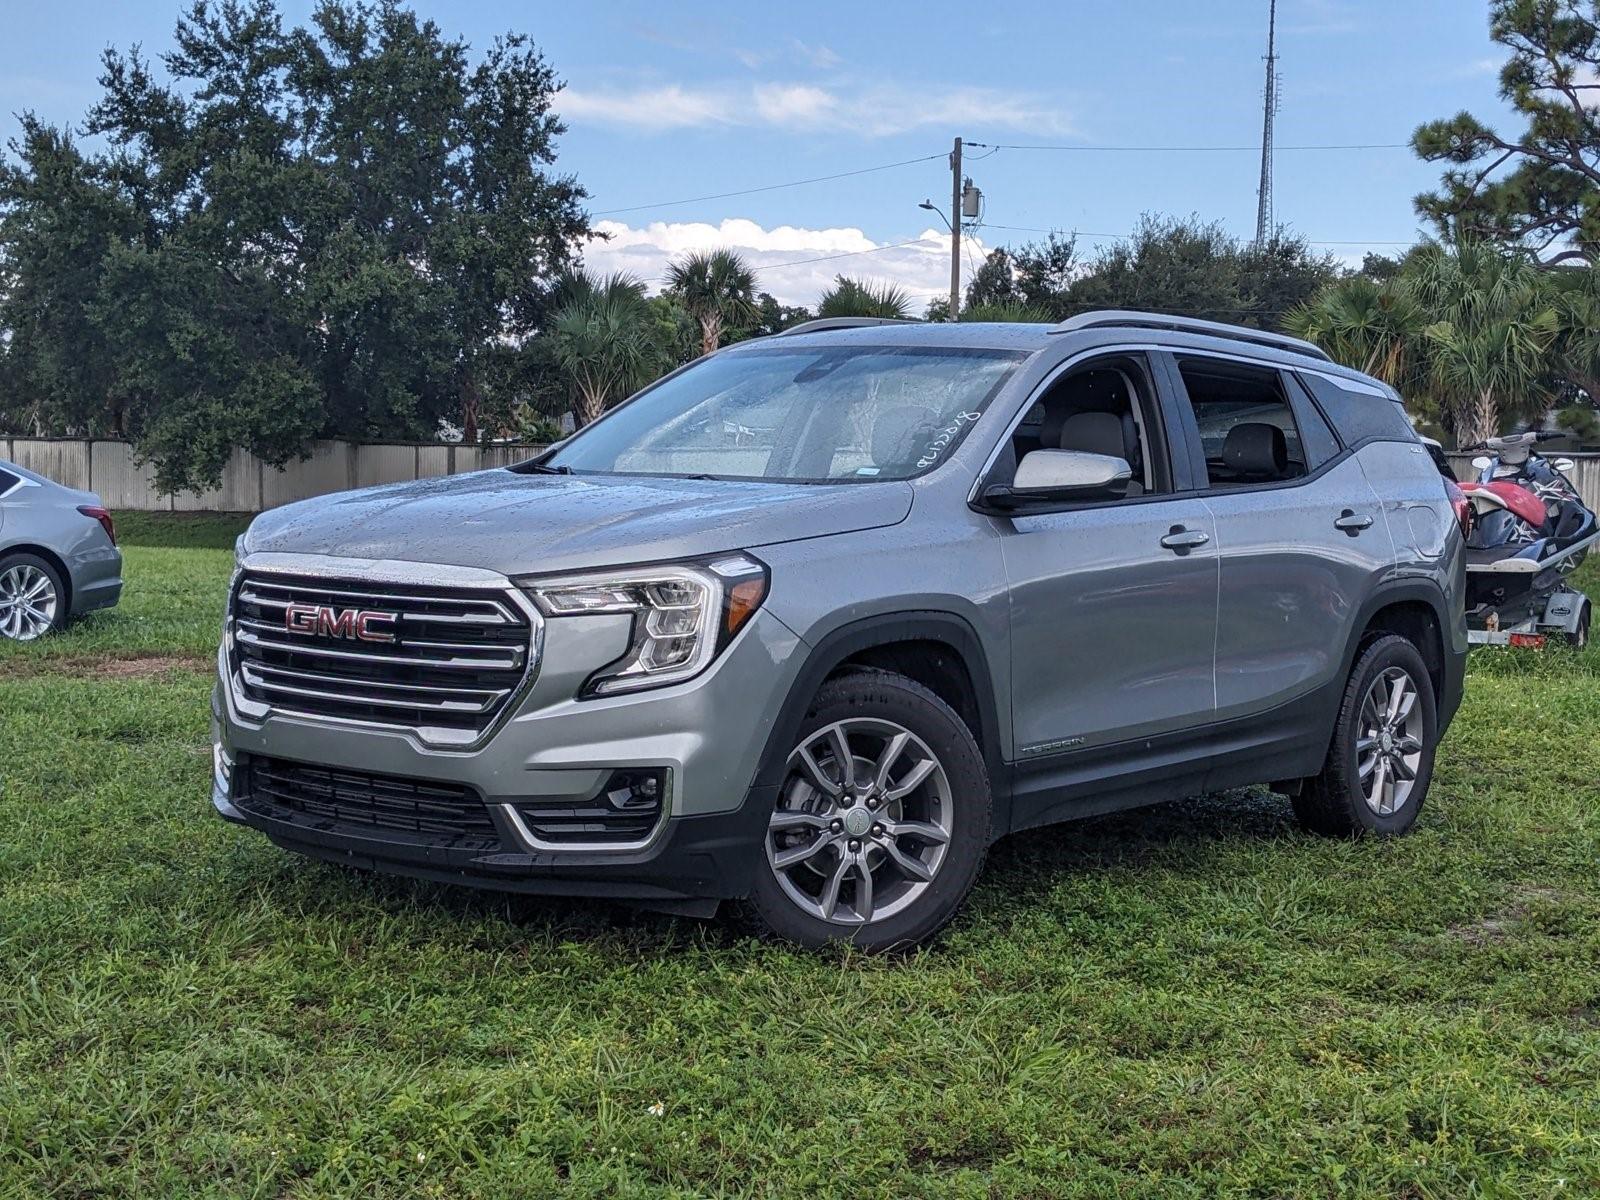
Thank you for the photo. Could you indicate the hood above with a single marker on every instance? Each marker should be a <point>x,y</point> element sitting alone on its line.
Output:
<point>525,524</point>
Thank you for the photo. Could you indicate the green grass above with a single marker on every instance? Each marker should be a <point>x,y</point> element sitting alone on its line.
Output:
<point>1187,1001</point>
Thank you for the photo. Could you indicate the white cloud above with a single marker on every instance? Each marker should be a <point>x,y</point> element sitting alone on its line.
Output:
<point>670,107</point>
<point>820,56</point>
<point>780,255</point>
<point>876,110</point>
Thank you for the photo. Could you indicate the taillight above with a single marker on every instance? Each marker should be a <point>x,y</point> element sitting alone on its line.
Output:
<point>103,516</point>
<point>1461,505</point>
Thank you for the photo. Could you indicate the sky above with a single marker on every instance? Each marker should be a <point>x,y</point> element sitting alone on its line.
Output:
<point>670,107</point>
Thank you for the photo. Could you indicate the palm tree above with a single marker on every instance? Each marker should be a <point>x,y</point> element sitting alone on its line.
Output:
<point>1372,326</point>
<point>718,289</point>
<point>602,336</point>
<point>1489,347</point>
<point>859,298</point>
<point>1007,310</point>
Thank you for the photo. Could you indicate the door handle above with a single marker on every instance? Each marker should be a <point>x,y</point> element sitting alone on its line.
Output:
<point>1352,524</point>
<point>1183,540</point>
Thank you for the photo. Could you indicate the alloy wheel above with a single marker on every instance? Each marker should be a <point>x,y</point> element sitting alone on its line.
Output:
<point>863,823</point>
<point>28,602</point>
<point>1389,749</point>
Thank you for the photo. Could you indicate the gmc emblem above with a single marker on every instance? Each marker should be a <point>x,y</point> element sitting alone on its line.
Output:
<point>352,624</point>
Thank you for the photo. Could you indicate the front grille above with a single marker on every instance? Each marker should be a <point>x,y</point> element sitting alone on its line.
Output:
<point>456,657</point>
<point>360,801</point>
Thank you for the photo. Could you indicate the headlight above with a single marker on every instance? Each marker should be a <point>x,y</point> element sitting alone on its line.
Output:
<point>683,614</point>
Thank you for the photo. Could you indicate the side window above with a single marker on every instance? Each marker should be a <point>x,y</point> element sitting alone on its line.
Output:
<point>1246,424</point>
<point>1102,407</point>
<point>1358,416</point>
<point>1317,435</point>
<point>7,481</point>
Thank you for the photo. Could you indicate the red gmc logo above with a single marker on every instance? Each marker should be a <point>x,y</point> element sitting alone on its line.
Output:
<point>353,624</point>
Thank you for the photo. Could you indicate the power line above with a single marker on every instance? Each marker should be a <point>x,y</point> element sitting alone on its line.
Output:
<point>993,148</point>
<point>1125,236</point>
<point>771,187</point>
<point>1256,149</point>
<point>846,254</point>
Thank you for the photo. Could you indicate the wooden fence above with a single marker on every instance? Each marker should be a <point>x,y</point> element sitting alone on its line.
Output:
<point>249,485</point>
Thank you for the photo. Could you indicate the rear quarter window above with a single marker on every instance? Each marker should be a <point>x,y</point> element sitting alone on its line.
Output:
<point>1360,416</point>
<point>8,481</point>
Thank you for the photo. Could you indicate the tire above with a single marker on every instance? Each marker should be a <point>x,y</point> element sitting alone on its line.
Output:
<point>1348,801</point>
<point>917,843</point>
<point>33,598</point>
<point>1579,638</point>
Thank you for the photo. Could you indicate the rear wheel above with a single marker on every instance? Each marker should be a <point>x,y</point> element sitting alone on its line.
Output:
<point>882,821</point>
<point>1380,761</point>
<point>33,599</point>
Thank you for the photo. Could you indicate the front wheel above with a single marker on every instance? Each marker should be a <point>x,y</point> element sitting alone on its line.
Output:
<point>882,821</point>
<point>1380,760</point>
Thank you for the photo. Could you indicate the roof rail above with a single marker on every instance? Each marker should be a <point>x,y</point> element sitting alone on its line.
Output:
<point>823,324</point>
<point>1236,333</point>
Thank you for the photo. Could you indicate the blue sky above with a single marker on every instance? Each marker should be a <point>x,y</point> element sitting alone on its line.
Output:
<point>668,101</point>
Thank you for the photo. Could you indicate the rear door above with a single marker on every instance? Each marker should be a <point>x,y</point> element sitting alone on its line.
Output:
<point>1301,537</point>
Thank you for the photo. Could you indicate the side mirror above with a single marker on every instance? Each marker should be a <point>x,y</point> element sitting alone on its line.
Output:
<point>1046,476</point>
<point>1563,464</point>
<point>1482,461</point>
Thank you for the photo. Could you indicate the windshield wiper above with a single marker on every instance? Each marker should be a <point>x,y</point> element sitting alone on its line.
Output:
<point>544,470</point>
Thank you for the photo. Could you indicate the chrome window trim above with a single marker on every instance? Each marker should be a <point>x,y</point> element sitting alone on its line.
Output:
<point>390,571</point>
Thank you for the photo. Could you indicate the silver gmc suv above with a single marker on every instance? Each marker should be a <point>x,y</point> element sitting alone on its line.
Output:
<point>812,621</point>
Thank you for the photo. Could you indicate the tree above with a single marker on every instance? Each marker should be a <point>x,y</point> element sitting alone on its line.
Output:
<point>336,230</point>
<point>1488,352</point>
<point>59,222</point>
<point>717,289</point>
<point>1472,330</point>
<point>1541,188</point>
<point>1044,271</point>
<point>1363,323</point>
<point>994,282</point>
<point>1008,310</point>
<point>602,336</point>
<point>863,298</point>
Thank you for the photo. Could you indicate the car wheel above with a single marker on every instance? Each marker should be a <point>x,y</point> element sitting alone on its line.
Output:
<point>33,600</point>
<point>882,821</point>
<point>1380,761</point>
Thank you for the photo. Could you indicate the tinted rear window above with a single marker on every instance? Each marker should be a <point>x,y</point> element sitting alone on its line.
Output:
<point>7,481</point>
<point>1358,416</point>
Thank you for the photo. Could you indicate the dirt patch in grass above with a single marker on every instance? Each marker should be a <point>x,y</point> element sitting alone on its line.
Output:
<point>87,666</point>
<point>1496,926</point>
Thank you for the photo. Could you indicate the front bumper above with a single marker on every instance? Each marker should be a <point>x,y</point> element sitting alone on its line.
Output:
<point>707,736</point>
<point>693,858</point>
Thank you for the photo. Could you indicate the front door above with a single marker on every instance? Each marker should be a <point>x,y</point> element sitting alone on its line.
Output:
<point>1114,603</point>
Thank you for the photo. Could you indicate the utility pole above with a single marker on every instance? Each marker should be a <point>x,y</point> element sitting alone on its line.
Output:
<point>1264,215</point>
<point>955,229</point>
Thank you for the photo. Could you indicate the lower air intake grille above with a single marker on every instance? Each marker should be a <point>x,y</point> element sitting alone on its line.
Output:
<point>626,812</point>
<point>358,801</point>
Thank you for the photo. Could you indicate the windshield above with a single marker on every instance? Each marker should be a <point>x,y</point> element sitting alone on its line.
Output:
<point>811,415</point>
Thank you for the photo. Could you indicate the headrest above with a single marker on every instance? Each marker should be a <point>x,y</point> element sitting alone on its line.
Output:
<point>898,434</point>
<point>1256,450</point>
<point>1094,433</point>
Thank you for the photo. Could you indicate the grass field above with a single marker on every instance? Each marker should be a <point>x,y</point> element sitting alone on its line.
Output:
<point>1194,1000</point>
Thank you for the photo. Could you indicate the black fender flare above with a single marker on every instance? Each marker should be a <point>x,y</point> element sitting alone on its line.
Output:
<point>884,629</point>
<point>1403,591</point>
